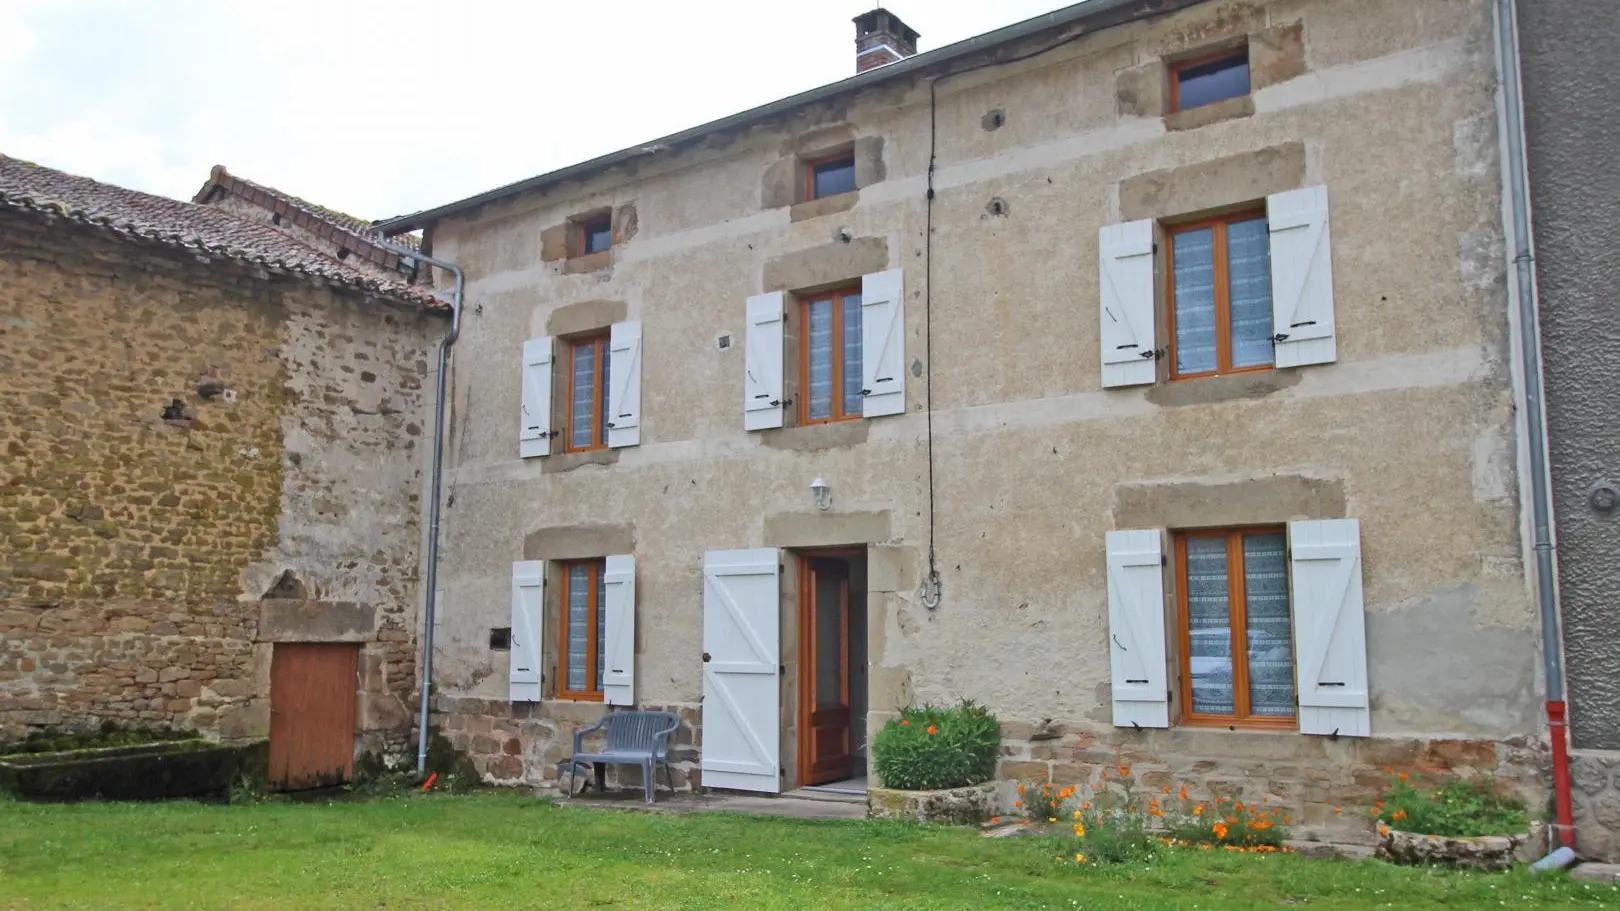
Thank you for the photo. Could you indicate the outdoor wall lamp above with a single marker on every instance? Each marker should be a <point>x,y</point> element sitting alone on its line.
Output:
<point>821,493</point>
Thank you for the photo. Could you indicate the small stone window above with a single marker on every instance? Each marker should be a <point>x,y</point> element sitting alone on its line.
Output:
<point>1208,79</point>
<point>829,176</point>
<point>595,235</point>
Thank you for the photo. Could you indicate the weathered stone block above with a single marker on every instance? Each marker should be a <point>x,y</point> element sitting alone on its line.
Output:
<point>961,806</point>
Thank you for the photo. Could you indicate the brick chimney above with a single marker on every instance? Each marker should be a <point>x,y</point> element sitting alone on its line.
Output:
<point>881,38</point>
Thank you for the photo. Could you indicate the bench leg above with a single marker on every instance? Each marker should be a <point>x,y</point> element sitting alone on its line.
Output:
<point>647,777</point>
<point>601,777</point>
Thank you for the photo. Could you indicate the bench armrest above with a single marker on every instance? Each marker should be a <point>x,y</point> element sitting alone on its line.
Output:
<point>661,738</point>
<point>579,736</point>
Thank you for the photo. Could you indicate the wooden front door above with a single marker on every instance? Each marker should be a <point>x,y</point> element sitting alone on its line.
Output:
<point>312,695</point>
<point>824,753</point>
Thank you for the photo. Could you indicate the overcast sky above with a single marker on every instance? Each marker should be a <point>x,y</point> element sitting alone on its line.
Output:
<point>380,109</point>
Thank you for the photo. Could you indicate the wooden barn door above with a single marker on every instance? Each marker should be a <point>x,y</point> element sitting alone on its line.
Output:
<point>312,695</point>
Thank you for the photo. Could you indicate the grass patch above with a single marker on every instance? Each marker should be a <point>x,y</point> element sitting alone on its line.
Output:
<point>504,850</point>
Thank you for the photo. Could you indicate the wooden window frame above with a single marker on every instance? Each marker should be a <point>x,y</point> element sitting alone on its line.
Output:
<point>1177,67</point>
<point>583,233</point>
<point>1237,608</point>
<point>593,687</point>
<point>1223,293</point>
<point>810,165</point>
<point>599,439</point>
<point>837,296</point>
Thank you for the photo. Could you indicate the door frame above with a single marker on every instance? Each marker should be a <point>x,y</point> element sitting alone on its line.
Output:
<point>806,649</point>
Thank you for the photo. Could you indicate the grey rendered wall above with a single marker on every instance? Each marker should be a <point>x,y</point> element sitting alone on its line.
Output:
<point>1575,198</point>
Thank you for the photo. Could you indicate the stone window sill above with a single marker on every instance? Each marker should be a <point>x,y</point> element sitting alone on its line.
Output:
<point>818,437</point>
<point>588,262</point>
<point>1192,119</point>
<point>826,205</point>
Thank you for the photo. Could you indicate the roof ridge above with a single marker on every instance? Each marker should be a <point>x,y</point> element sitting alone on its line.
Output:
<point>221,178</point>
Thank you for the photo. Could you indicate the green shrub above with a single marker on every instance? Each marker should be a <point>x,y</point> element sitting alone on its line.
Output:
<point>1459,808</point>
<point>929,748</point>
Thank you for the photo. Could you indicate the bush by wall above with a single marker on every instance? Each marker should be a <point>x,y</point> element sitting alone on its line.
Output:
<point>930,748</point>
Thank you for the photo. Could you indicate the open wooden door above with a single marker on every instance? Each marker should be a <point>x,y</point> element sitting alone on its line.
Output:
<point>742,651</point>
<point>312,695</point>
<point>824,710</point>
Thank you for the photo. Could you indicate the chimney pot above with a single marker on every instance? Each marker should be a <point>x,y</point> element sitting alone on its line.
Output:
<point>881,38</point>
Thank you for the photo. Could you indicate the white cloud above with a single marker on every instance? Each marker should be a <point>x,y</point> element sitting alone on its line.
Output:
<point>383,108</point>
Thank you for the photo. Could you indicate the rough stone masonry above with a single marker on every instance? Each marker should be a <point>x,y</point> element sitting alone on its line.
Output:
<point>181,439</point>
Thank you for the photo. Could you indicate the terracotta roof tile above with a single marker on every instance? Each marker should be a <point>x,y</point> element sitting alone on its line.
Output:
<point>28,187</point>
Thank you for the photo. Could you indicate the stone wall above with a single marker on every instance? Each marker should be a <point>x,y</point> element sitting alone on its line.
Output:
<point>1326,784</point>
<point>141,520</point>
<point>523,743</point>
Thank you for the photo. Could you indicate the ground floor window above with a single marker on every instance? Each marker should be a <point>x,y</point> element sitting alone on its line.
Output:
<point>1237,651</point>
<point>580,657</point>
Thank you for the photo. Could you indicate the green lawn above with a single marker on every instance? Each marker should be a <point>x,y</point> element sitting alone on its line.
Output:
<point>503,850</point>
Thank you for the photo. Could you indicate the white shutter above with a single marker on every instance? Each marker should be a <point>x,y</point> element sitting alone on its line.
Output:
<point>619,646</point>
<point>742,650</point>
<point>1301,277</point>
<point>883,344</point>
<point>535,438</point>
<point>1129,321</point>
<point>762,388</point>
<point>1136,644</point>
<point>1330,639</point>
<point>624,394</point>
<point>528,617</point>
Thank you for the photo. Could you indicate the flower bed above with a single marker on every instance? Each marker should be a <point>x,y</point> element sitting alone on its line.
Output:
<point>1466,823</point>
<point>173,768</point>
<point>935,765</point>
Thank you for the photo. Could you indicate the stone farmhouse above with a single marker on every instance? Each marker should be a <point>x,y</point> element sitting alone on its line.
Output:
<point>1145,371</point>
<point>1165,375</point>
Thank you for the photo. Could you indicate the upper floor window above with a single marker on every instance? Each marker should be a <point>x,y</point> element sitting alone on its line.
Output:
<point>595,235</point>
<point>829,176</point>
<point>588,394</point>
<point>1237,637</point>
<point>1220,295</point>
<point>1206,80</point>
<point>581,657</point>
<point>830,357</point>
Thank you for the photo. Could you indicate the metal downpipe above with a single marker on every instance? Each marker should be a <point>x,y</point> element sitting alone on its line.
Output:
<point>1522,240</point>
<point>430,612</point>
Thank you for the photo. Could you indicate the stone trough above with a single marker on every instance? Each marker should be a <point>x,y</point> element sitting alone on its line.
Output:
<point>151,771</point>
<point>1483,852</point>
<point>969,805</point>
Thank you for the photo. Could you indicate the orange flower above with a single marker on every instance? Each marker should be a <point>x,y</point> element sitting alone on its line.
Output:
<point>1338,809</point>
<point>1403,776</point>
<point>1124,771</point>
<point>1086,805</point>
<point>1166,789</point>
<point>904,723</point>
<point>1198,810</point>
<point>932,730</point>
<point>995,819</point>
<point>1183,792</point>
<point>1383,830</point>
<point>1018,803</point>
<point>1389,768</point>
<point>1238,807</point>
<point>1020,789</point>
<point>1219,829</point>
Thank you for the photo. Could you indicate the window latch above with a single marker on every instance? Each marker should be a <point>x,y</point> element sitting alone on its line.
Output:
<point>1153,355</point>
<point>1280,337</point>
<point>609,425</point>
<point>781,402</point>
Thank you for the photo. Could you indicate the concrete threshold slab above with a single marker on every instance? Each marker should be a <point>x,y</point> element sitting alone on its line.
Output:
<point>753,805</point>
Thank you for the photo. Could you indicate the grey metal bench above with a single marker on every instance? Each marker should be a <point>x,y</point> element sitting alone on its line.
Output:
<point>633,738</point>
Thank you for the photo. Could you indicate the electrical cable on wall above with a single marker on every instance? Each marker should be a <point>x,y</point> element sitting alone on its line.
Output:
<point>931,583</point>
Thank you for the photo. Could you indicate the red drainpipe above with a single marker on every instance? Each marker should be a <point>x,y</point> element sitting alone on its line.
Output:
<point>1563,808</point>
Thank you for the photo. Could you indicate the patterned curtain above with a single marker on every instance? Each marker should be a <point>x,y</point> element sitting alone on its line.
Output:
<point>581,431</point>
<point>601,621</point>
<point>579,610</point>
<point>1248,255</point>
<point>1209,619</point>
<point>852,354</point>
<point>1271,641</point>
<point>602,414</point>
<point>820,368</point>
<point>1195,300</point>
